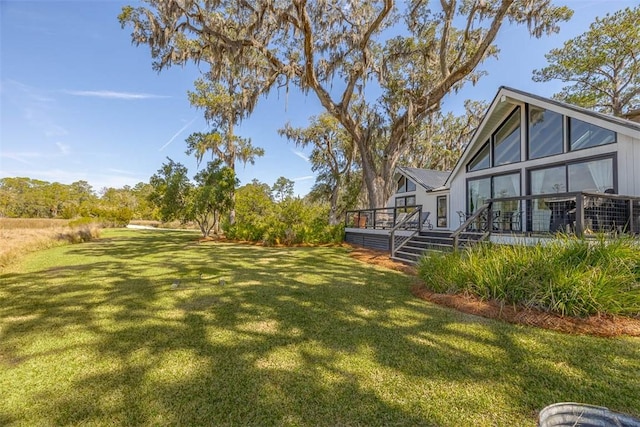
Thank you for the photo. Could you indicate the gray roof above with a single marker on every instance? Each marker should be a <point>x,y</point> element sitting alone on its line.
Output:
<point>428,178</point>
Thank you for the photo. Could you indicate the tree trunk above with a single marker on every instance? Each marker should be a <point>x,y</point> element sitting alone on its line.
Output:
<point>379,181</point>
<point>216,223</point>
<point>232,165</point>
<point>333,209</point>
<point>232,212</point>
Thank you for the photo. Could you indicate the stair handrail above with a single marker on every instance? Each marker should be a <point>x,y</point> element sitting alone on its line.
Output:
<point>401,223</point>
<point>456,234</point>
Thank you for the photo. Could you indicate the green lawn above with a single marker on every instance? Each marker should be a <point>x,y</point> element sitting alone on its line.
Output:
<point>94,334</point>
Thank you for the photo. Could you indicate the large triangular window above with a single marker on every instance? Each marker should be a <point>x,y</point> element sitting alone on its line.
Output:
<point>405,185</point>
<point>506,141</point>
<point>481,159</point>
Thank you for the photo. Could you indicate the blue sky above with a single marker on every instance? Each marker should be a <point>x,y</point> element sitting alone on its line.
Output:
<point>79,102</point>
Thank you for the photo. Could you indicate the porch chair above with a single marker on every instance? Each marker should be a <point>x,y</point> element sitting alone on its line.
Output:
<point>426,222</point>
<point>516,221</point>
<point>462,216</point>
<point>400,217</point>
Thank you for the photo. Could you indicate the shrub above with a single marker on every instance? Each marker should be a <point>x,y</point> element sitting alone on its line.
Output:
<point>83,221</point>
<point>80,234</point>
<point>289,222</point>
<point>576,277</point>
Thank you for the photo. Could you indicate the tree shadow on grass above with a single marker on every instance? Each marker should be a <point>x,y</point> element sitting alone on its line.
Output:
<point>290,336</point>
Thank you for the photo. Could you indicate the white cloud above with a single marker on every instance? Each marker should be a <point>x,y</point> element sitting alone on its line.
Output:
<point>301,155</point>
<point>120,171</point>
<point>20,157</point>
<point>38,109</point>
<point>182,129</point>
<point>303,178</point>
<point>64,148</point>
<point>113,94</point>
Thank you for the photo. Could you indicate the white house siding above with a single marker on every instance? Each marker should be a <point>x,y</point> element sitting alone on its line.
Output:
<point>626,153</point>
<point>457,200</point>
<point>430,205</point>
<point>628,165</point>
<point>428,200</point>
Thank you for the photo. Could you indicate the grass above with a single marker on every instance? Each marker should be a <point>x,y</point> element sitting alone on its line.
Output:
<point>576,277</point>
<point>20,236</point>
<point>95,334</point>
<point>160,224</point>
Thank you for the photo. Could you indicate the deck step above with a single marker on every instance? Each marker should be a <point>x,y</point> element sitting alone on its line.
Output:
<point>432,240</point>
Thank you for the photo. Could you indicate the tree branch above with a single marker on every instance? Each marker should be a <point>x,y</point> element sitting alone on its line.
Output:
<point>353,77</point>
<point>429,100</point>
<point>449,11</point>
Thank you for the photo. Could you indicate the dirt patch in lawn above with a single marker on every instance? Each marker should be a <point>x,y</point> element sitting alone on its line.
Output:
<point>604,326</point>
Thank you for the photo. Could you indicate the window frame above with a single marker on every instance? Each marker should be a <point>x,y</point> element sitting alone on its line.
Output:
<point>491,185</point>
<point>407,187</point>
<point>405,204</point>
<point>613,156</point>
<point>441,219</point>
<point>485,146</point>
<point>563,132</point>
<point>569,137</point>
<point>516,112</point>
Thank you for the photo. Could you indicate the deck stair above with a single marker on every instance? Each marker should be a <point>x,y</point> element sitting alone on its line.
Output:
<point>431,240</point>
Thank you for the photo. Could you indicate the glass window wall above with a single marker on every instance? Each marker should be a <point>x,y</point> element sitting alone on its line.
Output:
<point>595,175</point>
<point>481,160</point>
<point>508,211</point>
<point>548,181</point>
<point>506,141</point>
<point>478,191</point>
<point>585,135</point>
<point>545,181</point>
<point>551,214</point>
<point>546,134</point>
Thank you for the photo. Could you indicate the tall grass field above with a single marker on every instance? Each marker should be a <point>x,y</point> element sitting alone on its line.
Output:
<point>149,327</point>
<point>19,236</point>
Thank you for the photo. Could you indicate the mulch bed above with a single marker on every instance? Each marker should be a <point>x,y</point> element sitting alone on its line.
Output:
<point>604,326</point>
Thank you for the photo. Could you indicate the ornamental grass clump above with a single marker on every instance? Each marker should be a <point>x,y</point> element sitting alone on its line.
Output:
<point>575,277</point>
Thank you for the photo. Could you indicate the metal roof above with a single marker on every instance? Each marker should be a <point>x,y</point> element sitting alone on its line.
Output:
<point>428,178</point>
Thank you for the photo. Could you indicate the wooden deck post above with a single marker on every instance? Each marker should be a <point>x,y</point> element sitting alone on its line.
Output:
<point>579,215</point>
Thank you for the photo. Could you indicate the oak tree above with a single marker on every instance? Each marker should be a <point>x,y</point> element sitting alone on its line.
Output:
<point>332,158</point>
<point>203,201</point>
<point>378,67</point>
<point>441,138</point>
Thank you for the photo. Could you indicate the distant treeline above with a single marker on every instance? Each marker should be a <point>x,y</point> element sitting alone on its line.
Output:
<point>271,215</point>
<point>32,198</point>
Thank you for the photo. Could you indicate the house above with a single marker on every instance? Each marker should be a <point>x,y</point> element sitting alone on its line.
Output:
<point>534,167</point>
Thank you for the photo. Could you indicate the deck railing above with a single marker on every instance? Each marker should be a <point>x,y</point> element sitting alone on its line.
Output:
<point>475,222</point>
<point>576,213</point>
<point>385,218</point>
<point>406,223</point>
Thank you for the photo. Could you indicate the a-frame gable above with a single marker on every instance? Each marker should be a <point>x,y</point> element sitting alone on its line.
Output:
<point>507,99</point>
